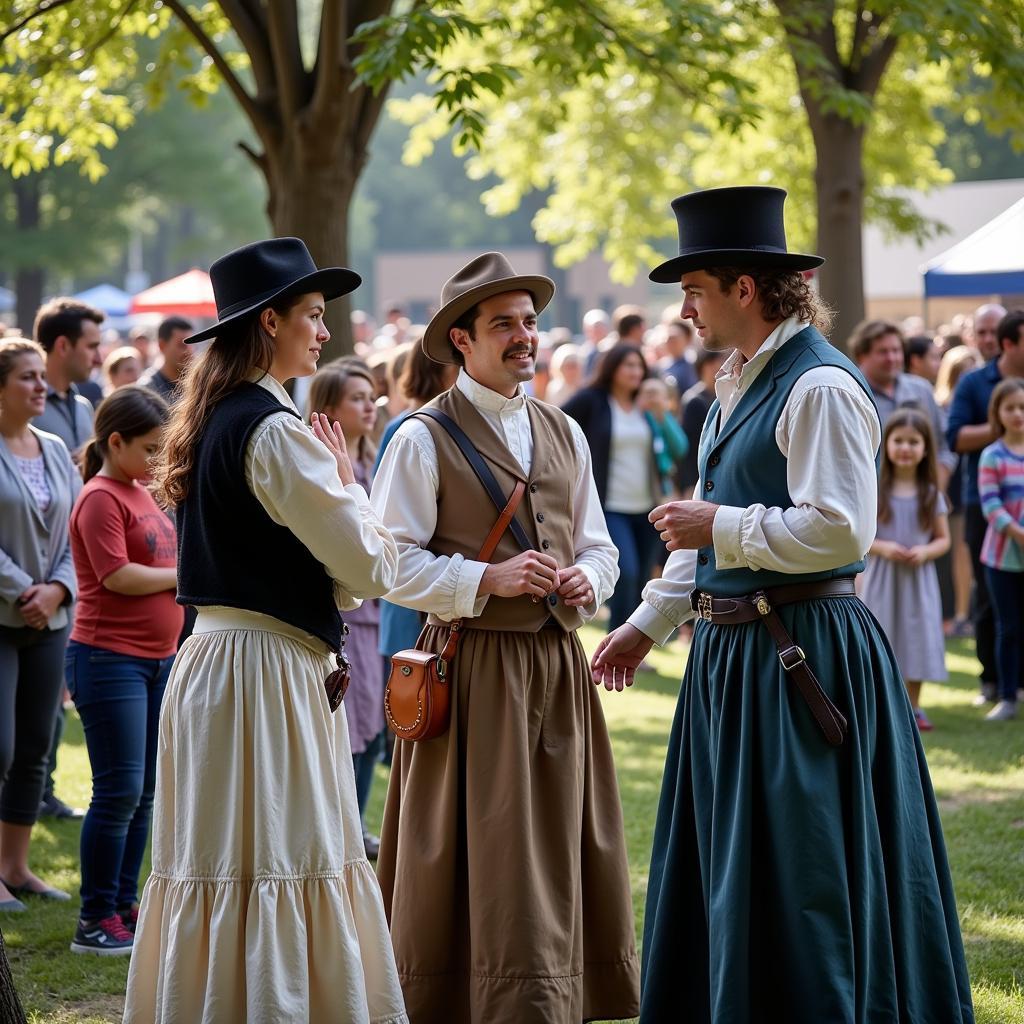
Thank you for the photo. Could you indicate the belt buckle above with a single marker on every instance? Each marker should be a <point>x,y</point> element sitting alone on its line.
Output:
<point>704,607</point>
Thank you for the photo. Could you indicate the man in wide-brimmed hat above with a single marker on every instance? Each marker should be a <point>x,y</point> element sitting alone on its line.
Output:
<point>502,855</point>
<point>798,871</point>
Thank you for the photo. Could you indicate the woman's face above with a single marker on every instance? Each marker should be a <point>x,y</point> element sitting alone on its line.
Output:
<point>298,337</point>
<point>629,374</point>
<point>356,411</point>
<point>23,395</point>
<point>128,372</point>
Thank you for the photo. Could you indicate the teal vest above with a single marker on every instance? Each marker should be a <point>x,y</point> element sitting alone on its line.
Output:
<point>742,464</point>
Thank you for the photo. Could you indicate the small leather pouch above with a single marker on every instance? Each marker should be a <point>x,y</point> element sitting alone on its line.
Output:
<point>336,684</point>
<point>417,699</point>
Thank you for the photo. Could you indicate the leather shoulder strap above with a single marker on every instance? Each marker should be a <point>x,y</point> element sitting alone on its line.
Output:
<point>486,478</point>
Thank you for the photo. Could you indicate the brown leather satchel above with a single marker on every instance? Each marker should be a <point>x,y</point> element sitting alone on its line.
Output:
<point>417,699</point>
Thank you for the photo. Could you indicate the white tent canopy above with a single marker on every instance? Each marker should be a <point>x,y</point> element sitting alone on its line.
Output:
<point>988,262</point>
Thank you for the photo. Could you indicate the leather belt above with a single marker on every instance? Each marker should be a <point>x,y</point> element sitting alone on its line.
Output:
<point>761,606</point>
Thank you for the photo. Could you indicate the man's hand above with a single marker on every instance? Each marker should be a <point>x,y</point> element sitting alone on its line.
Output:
<point>532,573</point>
<point>617,657</point>
<point>330,435</point>
<point>39,603</point>
<point>574,587</point>
<point>685,524</point>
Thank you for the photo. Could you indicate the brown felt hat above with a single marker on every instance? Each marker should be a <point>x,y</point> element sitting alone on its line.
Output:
<point>487,275</point>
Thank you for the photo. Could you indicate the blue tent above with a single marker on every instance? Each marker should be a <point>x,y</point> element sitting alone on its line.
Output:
<point>6,300</point>
<point>988,262</point>
<point>107,298</point>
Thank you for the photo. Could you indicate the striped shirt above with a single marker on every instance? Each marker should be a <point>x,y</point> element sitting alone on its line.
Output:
<point>1001,489</point>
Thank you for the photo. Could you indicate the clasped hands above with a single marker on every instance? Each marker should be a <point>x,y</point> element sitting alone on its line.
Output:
<point>39,603</point>
<point>537,574</point>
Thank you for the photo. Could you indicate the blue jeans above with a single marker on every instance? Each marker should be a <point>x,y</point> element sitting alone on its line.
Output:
<point>1006,591</point>
<point>118,698</point>
<point>635,537</point>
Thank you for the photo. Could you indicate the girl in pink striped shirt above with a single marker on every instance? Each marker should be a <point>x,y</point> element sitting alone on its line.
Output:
<point>1001,488</point>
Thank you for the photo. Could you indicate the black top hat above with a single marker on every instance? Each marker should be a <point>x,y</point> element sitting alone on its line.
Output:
<point>737,227</point>
<point>251,278</point>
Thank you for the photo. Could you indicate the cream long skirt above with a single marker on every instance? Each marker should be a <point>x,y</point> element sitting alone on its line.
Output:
<point>261,906</point>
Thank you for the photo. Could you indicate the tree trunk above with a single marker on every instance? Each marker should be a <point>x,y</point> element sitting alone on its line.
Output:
<point>10,1007</point>
<point>839,179</point>
<point>28,281</point>
<point>310,190</point>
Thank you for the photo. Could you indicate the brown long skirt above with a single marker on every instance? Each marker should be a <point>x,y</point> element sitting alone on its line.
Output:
<point>503,859</point>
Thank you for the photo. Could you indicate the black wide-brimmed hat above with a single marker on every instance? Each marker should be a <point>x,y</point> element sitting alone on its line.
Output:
<point>731,227</point>
<point>249,279</point>
<point>487,275</point>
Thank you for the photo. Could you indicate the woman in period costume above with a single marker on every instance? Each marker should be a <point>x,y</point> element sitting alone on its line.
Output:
<point>261,905</point>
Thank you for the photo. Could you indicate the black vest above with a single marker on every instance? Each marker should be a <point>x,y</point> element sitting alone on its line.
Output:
<point>230,552</point>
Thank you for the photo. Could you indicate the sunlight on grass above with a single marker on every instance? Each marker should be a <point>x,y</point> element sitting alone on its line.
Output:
<point>977,770</point>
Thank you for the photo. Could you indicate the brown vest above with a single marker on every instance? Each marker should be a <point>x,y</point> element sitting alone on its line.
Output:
<point>465,512</point>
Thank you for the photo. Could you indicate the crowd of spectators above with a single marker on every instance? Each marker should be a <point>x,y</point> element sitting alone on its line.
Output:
<point>87,572</point>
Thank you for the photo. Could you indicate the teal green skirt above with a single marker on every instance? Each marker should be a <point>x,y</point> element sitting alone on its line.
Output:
<point>790,880</point>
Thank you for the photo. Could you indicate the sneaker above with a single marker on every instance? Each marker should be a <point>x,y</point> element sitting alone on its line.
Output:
<point>108,937</point>
<point>1002,712</point>
<point>130,917</point>
<point>989,695</point>
<point>53,807</point>
<point>924,723</point>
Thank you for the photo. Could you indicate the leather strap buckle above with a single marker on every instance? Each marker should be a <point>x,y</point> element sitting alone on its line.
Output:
<point>704,607</point>
<point>791,657</point>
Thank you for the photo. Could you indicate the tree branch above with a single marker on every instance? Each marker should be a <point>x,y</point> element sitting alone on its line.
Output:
<point>109,34</point>
<point>253,37</point>
<point>330,52</point>
<point>245,101</point>
<point>875,62</point>
<point>44,8</point>
<point>259,159</point>
<point>284,47</point>
<point>824,37</point>
<point>860,30</point>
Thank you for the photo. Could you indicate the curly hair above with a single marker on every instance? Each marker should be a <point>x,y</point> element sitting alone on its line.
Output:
<point>782,293</point>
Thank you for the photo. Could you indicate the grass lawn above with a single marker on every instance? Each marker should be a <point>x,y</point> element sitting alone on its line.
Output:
<point>977,769</point>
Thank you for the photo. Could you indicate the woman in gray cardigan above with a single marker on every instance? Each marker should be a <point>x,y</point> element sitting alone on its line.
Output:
<point>38,484</point>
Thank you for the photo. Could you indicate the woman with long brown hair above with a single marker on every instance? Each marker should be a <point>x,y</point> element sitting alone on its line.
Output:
<point>261,905</point>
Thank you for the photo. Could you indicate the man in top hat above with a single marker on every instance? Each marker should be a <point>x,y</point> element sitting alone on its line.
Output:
<point>502,854</point>
<point>798,870</point>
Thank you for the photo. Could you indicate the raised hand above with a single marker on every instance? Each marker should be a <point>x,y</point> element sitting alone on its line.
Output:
<point>331,436</point>
<point>685,524</point>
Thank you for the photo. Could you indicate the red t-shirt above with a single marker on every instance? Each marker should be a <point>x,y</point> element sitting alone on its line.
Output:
<point>112,524</point>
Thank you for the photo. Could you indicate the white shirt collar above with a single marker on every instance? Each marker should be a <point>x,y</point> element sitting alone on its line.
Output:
<point>738,367</point>
<point>274,386</point>
<point>485,398</point>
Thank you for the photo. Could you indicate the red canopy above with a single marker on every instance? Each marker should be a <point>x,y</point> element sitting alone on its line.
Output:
<point>189,294</point>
